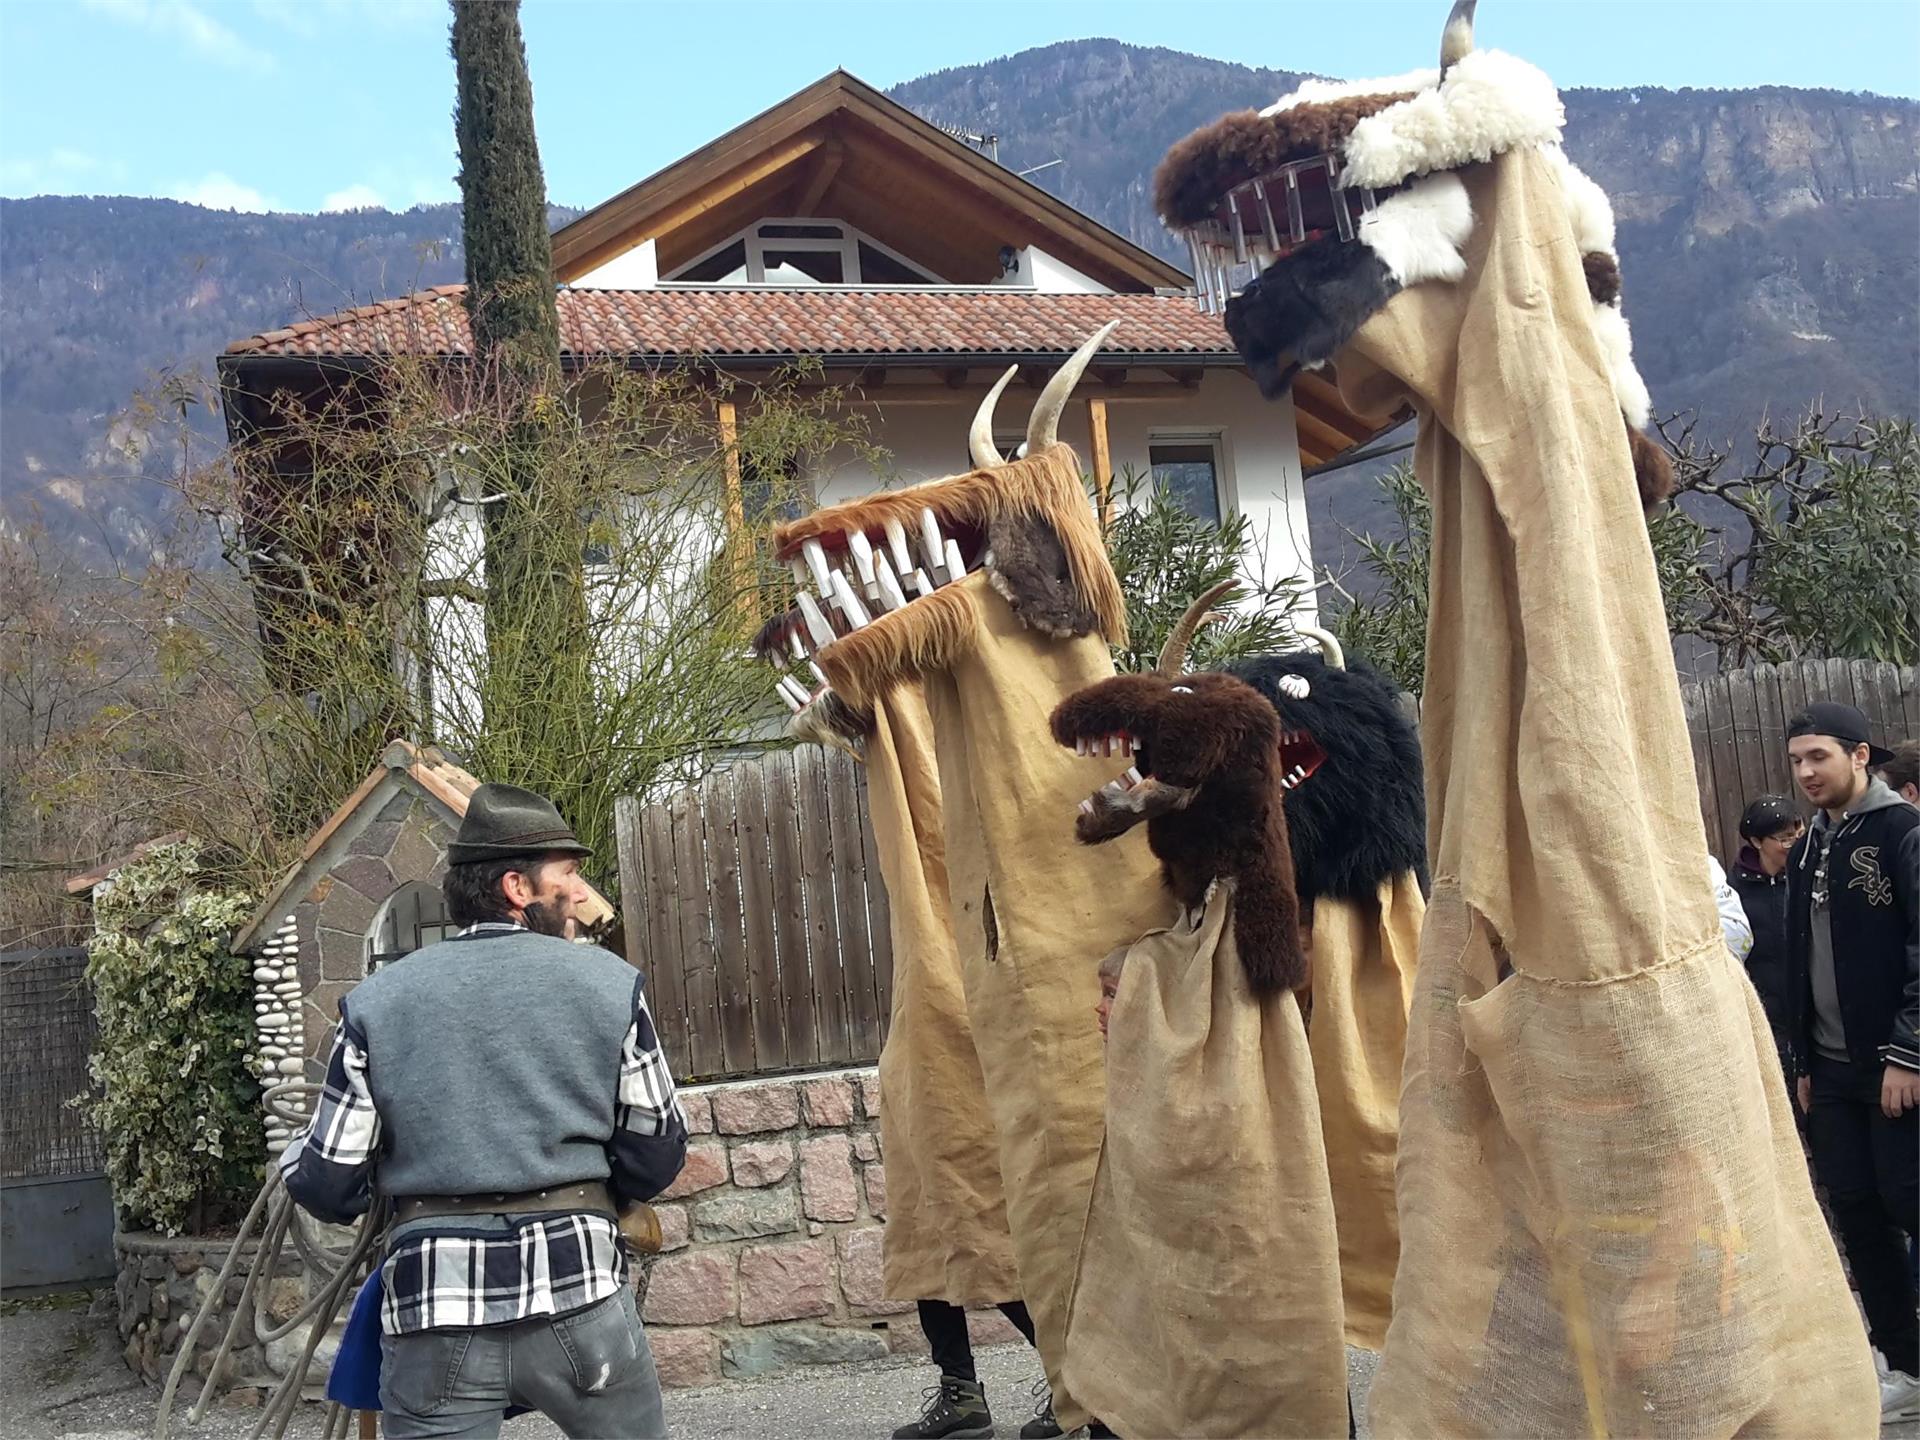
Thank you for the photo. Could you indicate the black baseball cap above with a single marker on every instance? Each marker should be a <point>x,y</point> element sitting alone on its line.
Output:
<point>1844,723</point>
<point>1768,815</point>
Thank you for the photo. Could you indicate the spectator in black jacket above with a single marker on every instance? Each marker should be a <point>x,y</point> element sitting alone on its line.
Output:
<point>1853,942</point>
<point>1902,772</point>
<point>1768,829</point>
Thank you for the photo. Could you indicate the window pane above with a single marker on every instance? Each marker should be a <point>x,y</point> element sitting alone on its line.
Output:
<point>801,267</point>
<point>799,232</point>
<point>772,492</point>
<point>879,268</point>
<point>728,265</point>
<point>1187,473</point>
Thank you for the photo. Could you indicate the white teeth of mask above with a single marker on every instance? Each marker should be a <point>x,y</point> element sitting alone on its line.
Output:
<point>815,619</point>
<point>816,559</point>
<point>922,583</point>
<point>1086,807</point>
<point>1079,745</point>
<point>1134,775</point>
<point>861,549</point>
<point>897,547</point>
<point>956,567</point>
<point>850,605</point>
<point>932,545</point>
<point>892,597</point>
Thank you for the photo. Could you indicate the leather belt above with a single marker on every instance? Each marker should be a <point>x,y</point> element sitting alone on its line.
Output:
<point>591,1196</point>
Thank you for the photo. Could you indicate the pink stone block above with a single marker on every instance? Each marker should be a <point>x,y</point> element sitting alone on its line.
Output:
<point>866,1147</point>
<point>706,1167</point>
<point>683,1357</point>
<point>699,1112</point>
<point>828,1102</point>
<point>674,1226</point>
<point>827,1189</point>
<point>876,1178</point>
<point>785,1282</point>
<point>870,1094</point>
<point>862,1273</point>
<point>762,1162</point>
<point>754,1109</point>
<point>990,1327</point>
<point>691,1289</point>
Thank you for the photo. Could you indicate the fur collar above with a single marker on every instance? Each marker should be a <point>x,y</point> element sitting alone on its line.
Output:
<point>1489,103</point>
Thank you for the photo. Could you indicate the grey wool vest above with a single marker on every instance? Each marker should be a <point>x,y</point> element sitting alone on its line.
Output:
<point>494,1062</point>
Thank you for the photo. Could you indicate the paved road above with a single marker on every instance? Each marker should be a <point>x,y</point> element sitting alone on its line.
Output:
<point>61,1376</point>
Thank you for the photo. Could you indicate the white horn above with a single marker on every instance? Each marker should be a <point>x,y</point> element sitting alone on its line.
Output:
<point>1456,40</point>
<point>1043,426</point>
<point>986,455</point>
<point>1330,649</point>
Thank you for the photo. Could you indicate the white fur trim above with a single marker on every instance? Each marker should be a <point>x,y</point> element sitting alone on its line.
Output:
<point>1616,344</point>
<point>1313,92</point>
<point>1587,206</point>
<point>1419,232</point>
<point>1489,103</point>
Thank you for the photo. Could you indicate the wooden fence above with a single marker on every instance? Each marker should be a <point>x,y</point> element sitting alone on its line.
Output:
<point>47,1029</point>
<point>1738,724</point>
<point>753,903</point>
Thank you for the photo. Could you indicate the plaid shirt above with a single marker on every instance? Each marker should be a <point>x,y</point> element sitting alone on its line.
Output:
<point>468,1276</point>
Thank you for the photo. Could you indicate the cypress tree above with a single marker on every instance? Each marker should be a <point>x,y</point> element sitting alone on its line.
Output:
<point>510,295</point>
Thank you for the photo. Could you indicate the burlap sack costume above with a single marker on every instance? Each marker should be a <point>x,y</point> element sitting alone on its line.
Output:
<point>1209,1292</point>
<point>1607,1225</point>
<point>1364,956</point>
<point>1607,1222</point>
<point>946,1235</point>
<point>1031,913</point>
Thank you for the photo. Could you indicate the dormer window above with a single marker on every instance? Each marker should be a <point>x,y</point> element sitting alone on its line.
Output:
<point>801,253</point>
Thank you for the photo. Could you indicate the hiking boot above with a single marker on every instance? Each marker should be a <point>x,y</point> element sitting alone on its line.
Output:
<point>953,1410</point>
<point>1042,1426</point>
<point>1899,1397</point>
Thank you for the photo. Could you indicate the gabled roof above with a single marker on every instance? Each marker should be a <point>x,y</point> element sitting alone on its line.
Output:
<point>402,764</point>
<point>87,881</point>
<point>841,148</point>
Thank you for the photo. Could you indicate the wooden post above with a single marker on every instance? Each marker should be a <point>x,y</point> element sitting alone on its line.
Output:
<point>1102,461</point>
<point>740,561</point>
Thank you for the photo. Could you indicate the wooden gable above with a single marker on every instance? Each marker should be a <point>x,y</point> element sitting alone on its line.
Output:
<point>841,150</point>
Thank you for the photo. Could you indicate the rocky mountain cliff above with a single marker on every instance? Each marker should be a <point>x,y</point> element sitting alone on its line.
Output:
<point>1770,241</point>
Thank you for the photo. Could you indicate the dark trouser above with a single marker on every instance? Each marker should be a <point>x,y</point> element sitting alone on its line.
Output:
<point>589,1371</point>
<point>946,1327</point>
<point>1870,1166</point>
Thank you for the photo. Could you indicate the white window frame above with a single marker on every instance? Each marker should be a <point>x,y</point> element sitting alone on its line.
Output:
<point>847,247</point>
<point>1226,491</point>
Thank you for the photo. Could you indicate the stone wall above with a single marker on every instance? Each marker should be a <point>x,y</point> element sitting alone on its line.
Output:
<point>773,1235</point>
<point>161,1285</point>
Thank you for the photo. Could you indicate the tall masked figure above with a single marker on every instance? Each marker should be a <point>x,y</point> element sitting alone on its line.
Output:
<point>1607,1225</point>
<point>987,598</point>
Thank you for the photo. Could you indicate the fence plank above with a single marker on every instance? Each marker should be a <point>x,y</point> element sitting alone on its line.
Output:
<point>879,914</point>
<point>731,981</point>
<point>1769,687</point>
<point>704,1049</point>
<point>1693,703</point>
<point>1726,760</point>
<point>816,889</point>
<point>666,981</point>
<point>791,935</point>
<point>850,901</point>
<point>757,874</point>
<point>1910,697</point>
<point>633,887</point>
<point>1886,686</point>
<point>1750,747</point>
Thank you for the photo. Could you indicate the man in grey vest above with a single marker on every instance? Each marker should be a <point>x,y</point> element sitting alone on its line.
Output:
<point>507,1089</point>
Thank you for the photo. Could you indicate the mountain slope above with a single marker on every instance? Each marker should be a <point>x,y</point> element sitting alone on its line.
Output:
<point>1770,241</point>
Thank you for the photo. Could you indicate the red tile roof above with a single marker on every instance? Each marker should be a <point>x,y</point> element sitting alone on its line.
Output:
<point>727,322</point>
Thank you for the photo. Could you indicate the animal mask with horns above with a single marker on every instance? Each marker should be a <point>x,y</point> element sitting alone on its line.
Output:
<point>1207,781</point>
<point>878,593</point>
<point>1338,196</point>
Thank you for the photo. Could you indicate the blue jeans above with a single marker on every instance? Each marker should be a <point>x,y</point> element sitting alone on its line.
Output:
<point>589,1371</point>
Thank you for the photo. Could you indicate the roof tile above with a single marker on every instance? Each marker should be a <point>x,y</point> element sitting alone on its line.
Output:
<point>826,322</point>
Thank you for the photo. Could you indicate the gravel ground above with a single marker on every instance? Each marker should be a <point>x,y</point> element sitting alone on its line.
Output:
<point>61,1375</point>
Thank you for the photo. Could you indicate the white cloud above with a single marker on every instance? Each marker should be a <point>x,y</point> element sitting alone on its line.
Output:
<point>61,171</point>
<point>186,22</point>
<point>219,191</point>
<point>354,197</point>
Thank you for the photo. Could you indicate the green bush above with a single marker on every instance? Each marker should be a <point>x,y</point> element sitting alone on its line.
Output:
<point>174,1096</point>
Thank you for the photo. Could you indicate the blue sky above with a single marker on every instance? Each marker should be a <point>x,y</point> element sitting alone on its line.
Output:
<point>311,104</point>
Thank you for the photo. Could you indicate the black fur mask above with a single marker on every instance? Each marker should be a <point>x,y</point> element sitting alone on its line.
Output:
<point>1301,310</point>
<point>1360,814</point>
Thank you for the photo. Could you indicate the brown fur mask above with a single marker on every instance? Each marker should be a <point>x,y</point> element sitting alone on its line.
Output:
<point>1207,750</point>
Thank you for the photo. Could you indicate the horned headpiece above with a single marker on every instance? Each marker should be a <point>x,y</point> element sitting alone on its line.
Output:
<point>1306,218</point>
<point>875,578</point>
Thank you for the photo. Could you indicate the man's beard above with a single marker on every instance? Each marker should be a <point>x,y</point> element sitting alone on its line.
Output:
<point>545,918</point>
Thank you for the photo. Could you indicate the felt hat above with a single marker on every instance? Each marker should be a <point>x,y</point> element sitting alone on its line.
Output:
<point>504,822</point>
<point>1844,723</point>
